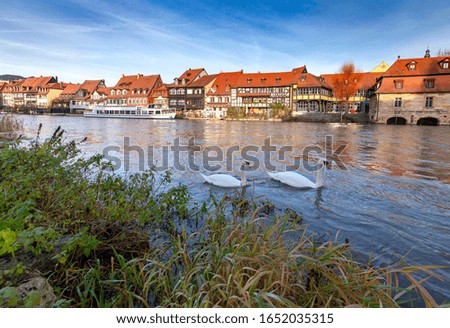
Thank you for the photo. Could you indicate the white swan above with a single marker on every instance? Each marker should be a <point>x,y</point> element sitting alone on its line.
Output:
<point>227,181</point>
<point>297,180</point>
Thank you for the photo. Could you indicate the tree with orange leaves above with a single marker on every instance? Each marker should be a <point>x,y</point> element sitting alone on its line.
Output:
<point>346,85</point>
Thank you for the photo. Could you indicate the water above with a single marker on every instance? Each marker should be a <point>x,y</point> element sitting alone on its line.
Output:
<point>392,201</point>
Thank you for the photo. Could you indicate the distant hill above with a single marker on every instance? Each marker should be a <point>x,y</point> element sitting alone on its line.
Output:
<point>8,77</point>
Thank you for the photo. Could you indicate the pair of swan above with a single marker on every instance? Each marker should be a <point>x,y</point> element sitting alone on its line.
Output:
<point>292,179</point>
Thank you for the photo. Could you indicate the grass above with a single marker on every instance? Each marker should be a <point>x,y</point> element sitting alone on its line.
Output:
<point>102,240</point>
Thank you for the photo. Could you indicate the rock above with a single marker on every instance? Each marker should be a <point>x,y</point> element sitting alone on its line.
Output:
<point>37,292</point>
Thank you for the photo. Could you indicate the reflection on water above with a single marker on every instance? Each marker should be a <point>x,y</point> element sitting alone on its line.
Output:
<point>392,200</point>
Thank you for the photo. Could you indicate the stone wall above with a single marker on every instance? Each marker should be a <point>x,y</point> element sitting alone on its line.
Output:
<point>382,107</point>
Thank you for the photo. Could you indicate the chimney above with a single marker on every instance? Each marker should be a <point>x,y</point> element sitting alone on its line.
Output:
<point>427,53</point>
<point>123,75</point>
<point>398,57</point>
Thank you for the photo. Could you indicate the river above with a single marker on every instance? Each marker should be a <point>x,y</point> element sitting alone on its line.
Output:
<point>391,200</point>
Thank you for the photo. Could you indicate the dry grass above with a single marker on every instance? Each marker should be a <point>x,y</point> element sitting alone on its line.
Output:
<point>270,263</point>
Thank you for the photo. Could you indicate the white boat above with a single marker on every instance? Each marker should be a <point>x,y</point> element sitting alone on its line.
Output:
<point>153,111</point>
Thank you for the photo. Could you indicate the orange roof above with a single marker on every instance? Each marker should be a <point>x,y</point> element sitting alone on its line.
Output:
<point>125,81</point>
<point>145,82</point>
<point>163,87</point>
<point>223,80</point>
<point>71,89</point>
<point>104,90</point>
<point>138,82</point>
<point>265,79</point>
<point>423,66</point>
<point>415,84</point>
<point>203,81</point>
<point>190,74</point>
<point>90,85</point>
<point>365,80</point>
<point>35,82</point>
<point>309,80</point>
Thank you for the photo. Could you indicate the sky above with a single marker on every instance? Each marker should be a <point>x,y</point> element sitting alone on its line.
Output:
<point>85,39</point>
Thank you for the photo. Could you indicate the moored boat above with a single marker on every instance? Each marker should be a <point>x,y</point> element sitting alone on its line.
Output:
<point>152,111</point>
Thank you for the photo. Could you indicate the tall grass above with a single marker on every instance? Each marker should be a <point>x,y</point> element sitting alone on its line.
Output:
<point>270,262</point>
<point>105,241</point>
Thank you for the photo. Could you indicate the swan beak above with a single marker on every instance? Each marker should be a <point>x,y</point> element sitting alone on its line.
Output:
<point>327,164</point>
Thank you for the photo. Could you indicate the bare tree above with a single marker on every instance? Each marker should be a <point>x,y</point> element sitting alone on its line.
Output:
<point>445,52</point>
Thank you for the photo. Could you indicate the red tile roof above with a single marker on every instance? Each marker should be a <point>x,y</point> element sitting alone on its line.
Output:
<point>252,80</point>
<point>203,81</point>
<point>125,81</point>
<point>223,80</point>
<point>104,90</point>
<point>423,66</point>
<point>365,80</point>
<point>415,84</point>
<point>310,80</point>
<point>145,82</point>
<point>163,87</point>
<point>71,89</point>
<point>190,75</point>
<point>90,85</point>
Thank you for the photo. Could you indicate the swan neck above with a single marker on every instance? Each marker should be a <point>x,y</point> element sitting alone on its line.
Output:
<point>243,178</point>
<point>319,176</point>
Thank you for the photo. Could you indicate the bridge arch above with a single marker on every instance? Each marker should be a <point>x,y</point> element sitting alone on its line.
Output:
<point>428,121</point>
<point>396,120</point>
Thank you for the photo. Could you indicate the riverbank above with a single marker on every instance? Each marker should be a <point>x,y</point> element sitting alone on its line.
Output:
<point>101,240</point>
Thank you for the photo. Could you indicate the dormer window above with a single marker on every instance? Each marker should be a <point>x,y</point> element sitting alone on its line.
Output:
<point>398,84</point>
<point>445,63</point>
<point>263,80</point>
<point>412,66</point>
<point>249,81</point>
<point>227,88</point>
<point>183,81</point>
<point>277,80</point>
<point>303,78</point>
<point>429,83</point>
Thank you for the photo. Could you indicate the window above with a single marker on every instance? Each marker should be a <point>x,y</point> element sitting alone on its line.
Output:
<point>249,81</point>
<point>429,83</point>
<point>445,65</point>
<point>303,78</point>
<point>398,102</point>
<point>398,84</point>
<point>429,102</point>
<point>227,88</point>
<point>412,67</point>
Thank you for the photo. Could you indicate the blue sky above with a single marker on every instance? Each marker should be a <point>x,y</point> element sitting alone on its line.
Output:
<point>85,39</point>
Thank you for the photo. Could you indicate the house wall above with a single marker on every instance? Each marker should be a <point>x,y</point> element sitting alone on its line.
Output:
<point>413,107</point>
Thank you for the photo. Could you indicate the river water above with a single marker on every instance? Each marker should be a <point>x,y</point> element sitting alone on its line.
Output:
<point>391,200</point>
